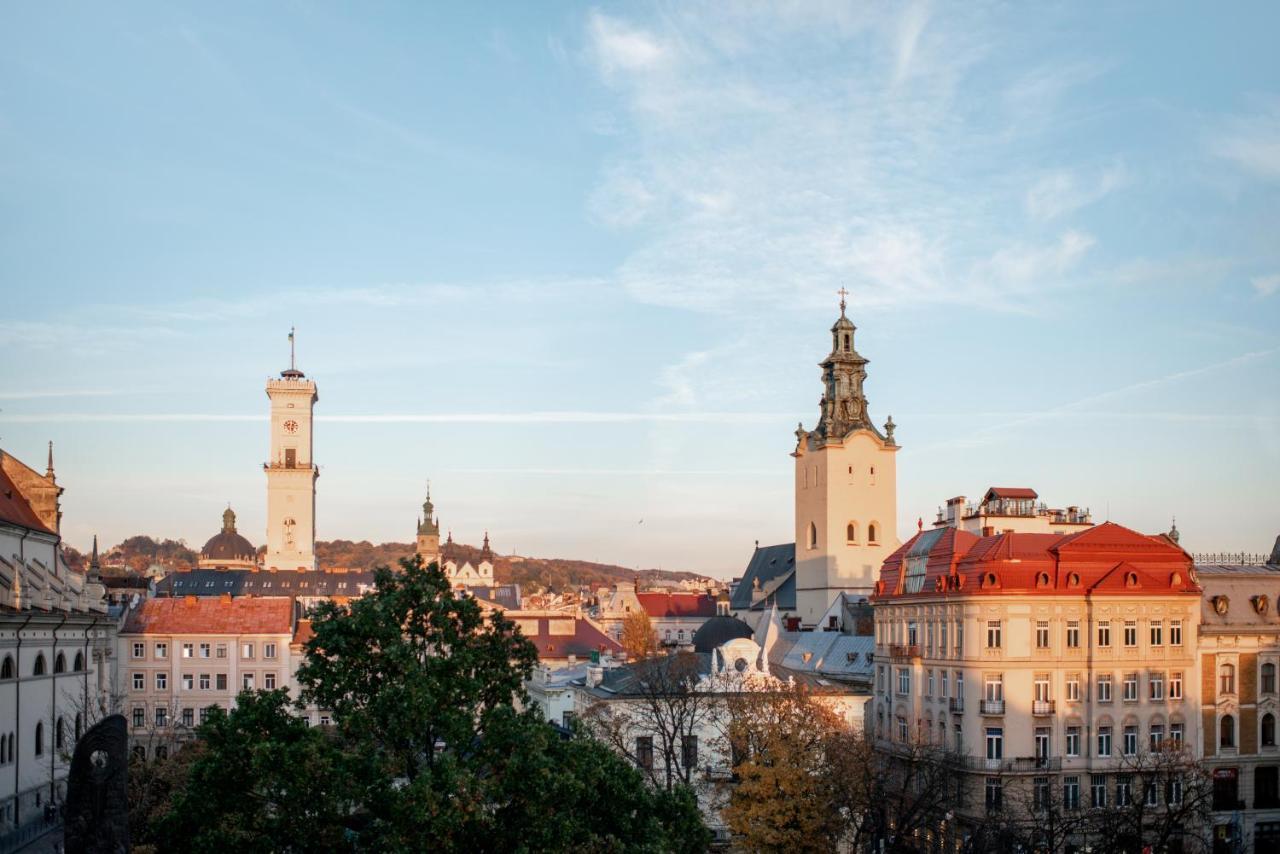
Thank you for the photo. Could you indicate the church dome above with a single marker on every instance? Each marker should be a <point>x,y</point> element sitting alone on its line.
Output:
<point>718,631</point>
<point>227,545</point>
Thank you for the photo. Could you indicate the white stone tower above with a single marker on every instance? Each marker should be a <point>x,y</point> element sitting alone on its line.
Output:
<point>291,473</point>
<point>846,486</point>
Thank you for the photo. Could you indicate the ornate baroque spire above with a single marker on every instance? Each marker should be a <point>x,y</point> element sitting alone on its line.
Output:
<point>843,407</point>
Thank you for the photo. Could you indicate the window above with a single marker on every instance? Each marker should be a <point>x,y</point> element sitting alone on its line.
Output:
<point>139,717</point>
<point>995,794</point>
<point>1151,796</point>
<point>1104,741</point>
<point>1155,686</point>
<point>1041,793</point>
<point>1227,732</point>
<point>1268,678</point>
<point>880,678</point>
<point>6,669</point>
<point>904,680</point>
<point>1073,634</point>
<point>269,681</point>
<point>204,713</point>
<point>1268,730</point>
<point>644,751</point>
<point>1131,687</point>
<point>188,717</point>
<point>928,691</point>
<point>221,650</point>
<point>1174,792</point>
<point>1042,742</point>
<point>1073,687</point>
<point>1042,634</point>
<point>995,742</point>
<point>139,681</point>
<point>188,682</point>
<point>1157,736</point>
<point>59,738</point>
<point>1175,685</point>
<point>188,650</point>
<point>1097,790</point>
<point>851,533</point>
<point>60,664</point>
<point>220,681</point>
<point>204,650</point>
<point>959,635</point>
<point>204,681</point>
<point>1131,740</point>
<point>913,633</point>
<point>247,682</point>
<point>960,685</point>
<point>1041,688</point>
<point>1071,793</point>
<point>246,650</point>
<point>902,730</point>
<point>993,687</point>
<point>993,634</point>
<point>873,534</point>
<point>1104,633</point>
<point>1157,632</point>
<point>942,636</point>
<point>162,681</point>
<point>1175,734</point>
<point>1104,688</point>
<point>689,751</point>
<point>813,536</point>
<point>40,738</point>
<point>1175,632</point>
<point>268,650</point>
<point>1073,741</point>
<point>1124,790</point>
<point>39,668</point>
<point>1130,632</point>
<point>162,716</point>
<point>1227,679</point>
<point>162,650</point>
<point>139,650</point>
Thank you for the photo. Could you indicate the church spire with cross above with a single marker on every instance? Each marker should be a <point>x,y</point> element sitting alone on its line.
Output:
<point>843,406</point>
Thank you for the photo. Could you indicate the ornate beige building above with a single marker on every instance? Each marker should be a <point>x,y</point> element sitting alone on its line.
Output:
<point>846,486</point>
<point>291,472</point>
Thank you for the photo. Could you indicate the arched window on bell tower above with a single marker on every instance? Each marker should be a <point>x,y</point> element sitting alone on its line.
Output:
<point>813,536</point>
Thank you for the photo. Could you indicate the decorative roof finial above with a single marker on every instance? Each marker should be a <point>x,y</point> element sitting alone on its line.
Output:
<point>843,293</point>
<point>49,469</point>
<point>228,520</point>
<point>889,427</point>
<point>93,560</point>
<point>1173,532</point>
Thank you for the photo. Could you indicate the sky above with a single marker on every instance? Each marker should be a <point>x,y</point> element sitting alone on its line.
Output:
<point>576,265</point>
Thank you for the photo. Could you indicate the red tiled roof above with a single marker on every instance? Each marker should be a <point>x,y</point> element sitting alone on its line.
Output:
<point>1011,492</point>
<point>15,509</point>
<point>586,638</point>
<point>213,615</point>
<point>302,633</point>
<point>661,603</point>
<point>1106,558</point>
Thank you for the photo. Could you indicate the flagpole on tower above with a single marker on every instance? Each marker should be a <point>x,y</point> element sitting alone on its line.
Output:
<point>292,366</point>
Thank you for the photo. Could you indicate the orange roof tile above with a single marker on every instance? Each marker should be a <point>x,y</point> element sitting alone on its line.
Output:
<point>15,509</point>
<point>212,615</point>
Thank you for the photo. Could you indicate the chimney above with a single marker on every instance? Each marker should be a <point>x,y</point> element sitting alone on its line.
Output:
<point>595,675</point>
<point>224,598</point>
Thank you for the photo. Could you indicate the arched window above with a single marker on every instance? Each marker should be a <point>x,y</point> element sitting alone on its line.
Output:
<point>60,664</point>
<point>1227,731</point>
<point>1268,730</point>
<point>1227,679</point>
<point>79,661</point>
<point>813,536</point>
<point>40,738</point>
<point>873,533</point>
<point>58,734</point>
<point>1268,678</point>
<point>4,753</point>
<point>38,670</point>
<point>851,532</point>
<point>6,669</point>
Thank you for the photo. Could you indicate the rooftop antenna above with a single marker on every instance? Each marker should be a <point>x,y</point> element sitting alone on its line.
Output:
<point>292,366</point>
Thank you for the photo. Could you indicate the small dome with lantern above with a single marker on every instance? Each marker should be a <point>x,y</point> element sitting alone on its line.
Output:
<point>228,549</point>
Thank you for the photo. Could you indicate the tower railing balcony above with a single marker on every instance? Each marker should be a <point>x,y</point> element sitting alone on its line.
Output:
<point>956,704</point>
<point>991,707</point>
<point>286,467</point>
<point>1042,707</point>
<point>899,651</point>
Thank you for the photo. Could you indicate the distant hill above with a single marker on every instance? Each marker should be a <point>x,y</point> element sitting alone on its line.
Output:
<point>533,574</point>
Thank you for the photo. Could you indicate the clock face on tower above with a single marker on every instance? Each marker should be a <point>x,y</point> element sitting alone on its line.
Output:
<point>291,426</point>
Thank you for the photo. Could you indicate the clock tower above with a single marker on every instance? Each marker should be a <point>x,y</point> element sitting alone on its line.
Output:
<point>291,473</point>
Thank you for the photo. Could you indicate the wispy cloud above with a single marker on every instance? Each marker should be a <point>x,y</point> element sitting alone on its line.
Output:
<point>1253,141</point>
<point>565,417</point>
<point>1063,191</point>
<point>1265,286</point>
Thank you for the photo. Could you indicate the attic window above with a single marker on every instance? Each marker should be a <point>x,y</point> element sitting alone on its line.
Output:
<point>1073,580</point>
<point>1042,580</point>
<point>1131,579</point>
<point>989,580</point>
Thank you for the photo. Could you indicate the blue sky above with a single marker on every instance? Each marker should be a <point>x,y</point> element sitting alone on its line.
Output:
<point>576,264</point>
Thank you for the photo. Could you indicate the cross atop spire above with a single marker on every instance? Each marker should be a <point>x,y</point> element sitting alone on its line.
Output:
<point>843,293</point>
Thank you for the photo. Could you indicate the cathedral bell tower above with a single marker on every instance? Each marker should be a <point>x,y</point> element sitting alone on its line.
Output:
<point>846,500</point>
<point>291,474</point>
<point>428,533</point>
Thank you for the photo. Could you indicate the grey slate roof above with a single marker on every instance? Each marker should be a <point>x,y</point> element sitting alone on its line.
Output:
<point>246,582</point>
<point>774,567</point>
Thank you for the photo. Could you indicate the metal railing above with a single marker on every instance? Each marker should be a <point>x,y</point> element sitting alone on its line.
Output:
<point>1011,764</point>
<point>1042,707</point>
<point>991,707</point>
<point>956,704</point>
<point>1238,558</point>
<point>904,650</point>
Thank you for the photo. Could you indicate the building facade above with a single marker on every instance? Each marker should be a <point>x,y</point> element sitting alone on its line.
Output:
<point>1037,659</point>
<point>846,481</point>
<point>56,642</point>
<point>291,473</point>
